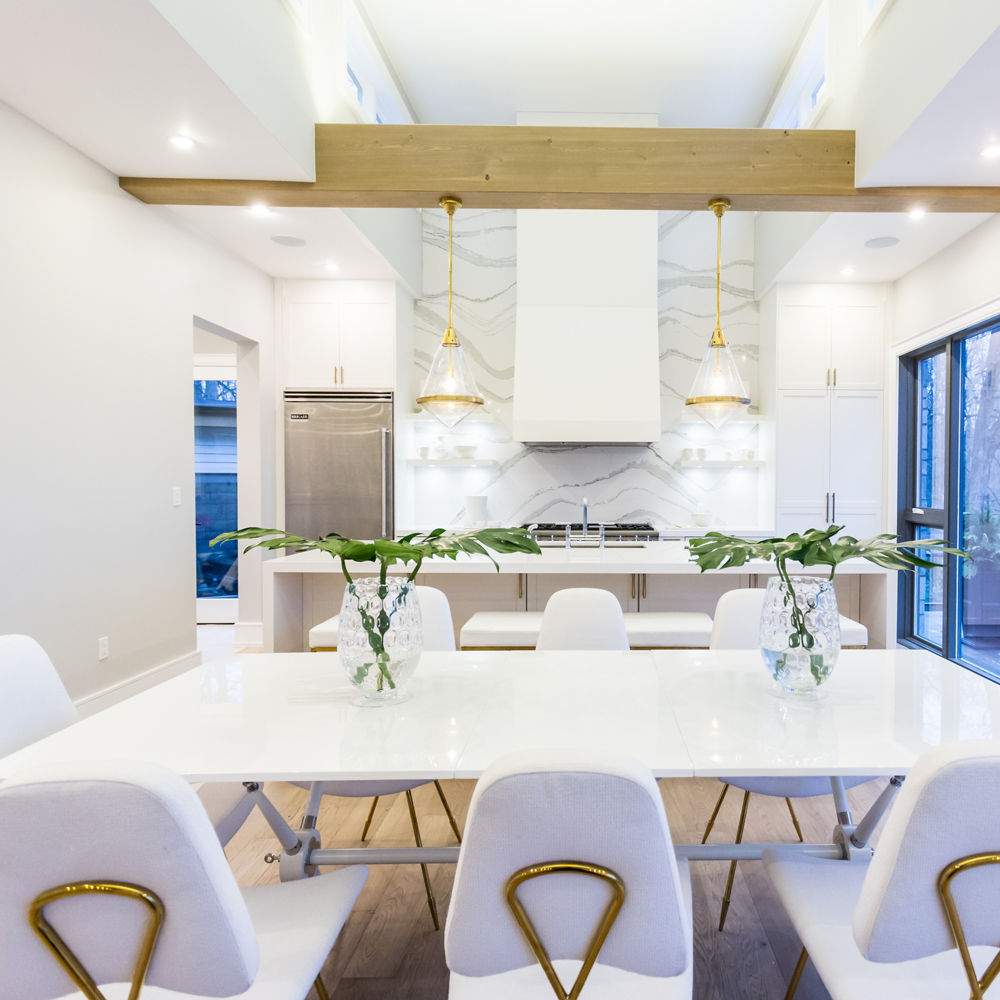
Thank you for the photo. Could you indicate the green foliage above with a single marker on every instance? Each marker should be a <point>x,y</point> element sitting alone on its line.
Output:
<point>816,547</point>
<point>413,548</point>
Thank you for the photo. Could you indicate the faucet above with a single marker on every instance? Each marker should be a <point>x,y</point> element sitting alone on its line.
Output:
<point>586,527</point>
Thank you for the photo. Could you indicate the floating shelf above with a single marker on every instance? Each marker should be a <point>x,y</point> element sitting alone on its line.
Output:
<point>721,463</point>
<point>469,463</point>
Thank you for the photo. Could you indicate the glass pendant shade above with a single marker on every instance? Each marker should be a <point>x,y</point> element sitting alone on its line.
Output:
<point>718,391</point>
<point>450,392</point>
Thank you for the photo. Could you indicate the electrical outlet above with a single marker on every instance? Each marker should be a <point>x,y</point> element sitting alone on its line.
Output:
<point>102,648</point>
<point>176,496</point>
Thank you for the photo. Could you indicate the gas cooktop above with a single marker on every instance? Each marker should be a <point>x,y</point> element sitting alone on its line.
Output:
<point>616,532</point>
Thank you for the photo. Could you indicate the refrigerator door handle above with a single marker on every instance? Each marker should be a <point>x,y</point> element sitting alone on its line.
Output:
<point>385,450</point>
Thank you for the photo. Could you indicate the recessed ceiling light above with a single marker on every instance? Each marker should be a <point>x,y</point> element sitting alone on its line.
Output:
<point>259,208</point>
<point>881,242</point>
<point>847,271</point>
<point>917,212</point>
<point>182,142</point>
<point>991,152</point>
<point>331,265</point>
<point>289,241</point>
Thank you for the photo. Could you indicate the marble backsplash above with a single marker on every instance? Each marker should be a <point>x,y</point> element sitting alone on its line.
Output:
<point>693,475</point>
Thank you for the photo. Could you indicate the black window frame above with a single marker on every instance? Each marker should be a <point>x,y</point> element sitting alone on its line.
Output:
<point>908,516</point>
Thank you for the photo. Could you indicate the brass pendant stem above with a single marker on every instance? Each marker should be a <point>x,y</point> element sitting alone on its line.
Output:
<point>449,204</point>
<point>719,206</point>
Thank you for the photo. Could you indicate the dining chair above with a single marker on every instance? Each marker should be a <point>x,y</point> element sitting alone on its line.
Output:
<point>736,625</point>
<point>588,891</point>
<point>582,618</point>
<point>142,892</point>
<point>35,703</point>
<point>920,917</point>
<point>439,635</point>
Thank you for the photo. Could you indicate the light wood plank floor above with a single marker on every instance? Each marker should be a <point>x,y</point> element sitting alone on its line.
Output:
<point>389,949</point>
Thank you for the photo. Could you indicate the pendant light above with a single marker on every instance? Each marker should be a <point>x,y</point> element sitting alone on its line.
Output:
<point>450,392</point>
<point>718,391</point>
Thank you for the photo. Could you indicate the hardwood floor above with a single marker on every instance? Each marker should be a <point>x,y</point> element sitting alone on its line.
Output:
<point>389,949</point>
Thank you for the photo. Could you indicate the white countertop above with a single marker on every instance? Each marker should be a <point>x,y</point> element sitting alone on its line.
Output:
<point>682,712</point>
<point>669,557</point>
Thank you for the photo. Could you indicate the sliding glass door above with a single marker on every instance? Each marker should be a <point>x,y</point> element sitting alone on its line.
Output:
<point>949,487</point>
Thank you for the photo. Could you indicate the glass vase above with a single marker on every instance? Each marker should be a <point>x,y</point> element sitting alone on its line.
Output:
<point>380,637</point>
<point>800,632</point>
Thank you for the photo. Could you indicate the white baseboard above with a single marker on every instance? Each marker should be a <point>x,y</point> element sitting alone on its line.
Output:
<point>248,634</point>
<point>108,696</point>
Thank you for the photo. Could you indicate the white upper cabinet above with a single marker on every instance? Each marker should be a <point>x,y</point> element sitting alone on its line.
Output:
<point>830,336</point>
<point>338,334</point>
<point>829,418</point>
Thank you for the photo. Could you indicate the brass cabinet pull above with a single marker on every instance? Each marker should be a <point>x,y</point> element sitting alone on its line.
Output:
<point>644,586</point>
<point>520,585</point>
<point>834,376</point>
<point>334,374</point>
<point>828,376</point>
<point>341,374</point>
<point>633,586</point>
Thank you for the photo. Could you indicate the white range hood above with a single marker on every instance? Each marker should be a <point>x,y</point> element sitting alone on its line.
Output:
<point>586,352</point>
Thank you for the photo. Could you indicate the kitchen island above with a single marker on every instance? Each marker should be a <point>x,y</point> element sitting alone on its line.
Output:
<point>304,589</point>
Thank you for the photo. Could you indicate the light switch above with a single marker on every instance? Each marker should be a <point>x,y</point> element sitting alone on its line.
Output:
<point>177,496</point>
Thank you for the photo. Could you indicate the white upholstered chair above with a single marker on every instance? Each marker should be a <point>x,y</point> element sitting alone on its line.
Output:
<point>35,703</point>
<point>582,618</point>
<point>143,852</point>
<point>736,625</point>
<point>438,634</point>
<point>593,811</point>
<point>882,929</point>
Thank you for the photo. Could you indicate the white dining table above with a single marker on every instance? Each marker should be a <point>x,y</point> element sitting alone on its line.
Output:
<point>293,716</point>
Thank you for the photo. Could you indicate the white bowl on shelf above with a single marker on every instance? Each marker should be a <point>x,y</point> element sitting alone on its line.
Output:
<point>465,450</point>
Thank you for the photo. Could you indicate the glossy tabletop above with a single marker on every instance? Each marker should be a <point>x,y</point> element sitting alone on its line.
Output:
<point>682,712</point>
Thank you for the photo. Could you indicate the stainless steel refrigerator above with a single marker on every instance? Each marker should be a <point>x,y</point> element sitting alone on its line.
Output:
<point>338,463</point>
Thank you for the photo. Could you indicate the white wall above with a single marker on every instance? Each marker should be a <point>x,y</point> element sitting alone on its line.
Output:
<point>98,297</point>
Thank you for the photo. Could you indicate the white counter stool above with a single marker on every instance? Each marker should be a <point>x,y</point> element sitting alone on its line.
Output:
<point>35,704</point>
<point>582,618</point>
<point>531,899</point>
<point>645,630</point>
<point>435,613</point>
<point>439,634</point>
<point>142,869</point>
<point>736,626</point>
<point>885,928</point>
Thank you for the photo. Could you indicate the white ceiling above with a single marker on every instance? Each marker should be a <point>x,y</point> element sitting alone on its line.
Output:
<point>114,79</point>
<point>695,63</point>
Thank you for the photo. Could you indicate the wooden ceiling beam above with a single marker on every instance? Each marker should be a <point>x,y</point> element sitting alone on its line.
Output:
<point>796,170</point>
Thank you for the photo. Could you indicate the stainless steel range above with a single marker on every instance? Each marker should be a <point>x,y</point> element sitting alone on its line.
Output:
<point>573,535</point>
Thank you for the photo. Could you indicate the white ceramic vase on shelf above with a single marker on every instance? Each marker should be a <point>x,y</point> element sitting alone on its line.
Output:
<point>380,637</point>
<point>800,632</point>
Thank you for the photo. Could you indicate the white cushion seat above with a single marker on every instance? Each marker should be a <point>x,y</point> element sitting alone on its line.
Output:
<point>646,629</point>
<point>852,633</point>
<point>324,635</point>
<point>820,896</point>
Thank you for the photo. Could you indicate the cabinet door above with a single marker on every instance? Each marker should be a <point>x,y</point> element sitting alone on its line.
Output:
<point>803,346</point>
<point>801,517</point>
<point>856,346</point>
<point>625,586</point>
<point>802,448</point>
<point>312,344</point>
<point>367,345</point>
<point>856,449</point>
<point>676,592</point>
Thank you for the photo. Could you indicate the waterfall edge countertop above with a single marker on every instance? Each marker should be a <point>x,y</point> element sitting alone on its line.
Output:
<point>667,557</point>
